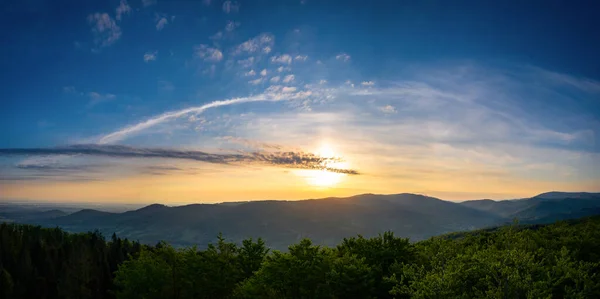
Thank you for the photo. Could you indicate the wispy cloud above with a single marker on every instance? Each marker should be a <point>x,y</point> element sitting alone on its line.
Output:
<point>301,58</point>
<point>263,72</point>
<point>583,84</point>
<point>388,109</point>
<point>125,132</point>
<point>122,9</point>
<point>299,160</point>
<point>256,81</point>
<point>288,79</point>
<point>282,69</point>
<point>367,83</point>
<point>105,29</point>
<point>262,43</point>
<point>231,6</point>
<point>246,63</point>
<point>208,53</point>
<point>231,25</point>
<point>275,79</point>
<point>96,98</point>
<point>343,57</point>
<point>283,59</point>
<point>161,21</point>
<point>69,89</point>
<point>150,56</point>
<point>251,143</point>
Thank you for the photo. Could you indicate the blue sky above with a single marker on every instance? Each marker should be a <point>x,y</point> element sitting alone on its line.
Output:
<point>422,96</point>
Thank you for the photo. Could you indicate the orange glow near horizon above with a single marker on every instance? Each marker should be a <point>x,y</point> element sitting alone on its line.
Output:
<point>324,178</point>
<point>196,182</point>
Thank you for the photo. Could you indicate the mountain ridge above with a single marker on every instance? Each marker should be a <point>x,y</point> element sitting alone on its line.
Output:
<point>324,220</point>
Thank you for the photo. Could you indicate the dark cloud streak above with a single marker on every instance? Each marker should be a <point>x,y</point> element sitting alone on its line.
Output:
<point>299,160</point>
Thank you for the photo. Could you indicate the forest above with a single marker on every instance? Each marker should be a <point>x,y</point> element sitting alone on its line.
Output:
<point>560,260</point>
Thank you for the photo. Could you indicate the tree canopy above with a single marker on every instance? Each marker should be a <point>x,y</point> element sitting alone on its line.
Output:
<point>561,260</point>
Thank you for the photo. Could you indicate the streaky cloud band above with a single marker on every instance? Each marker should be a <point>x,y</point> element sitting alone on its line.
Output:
<point>264,97</point>
<point>299,160</point>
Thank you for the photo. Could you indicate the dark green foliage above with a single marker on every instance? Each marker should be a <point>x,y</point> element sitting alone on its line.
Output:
<point>40,262</point>
<point>561,260</point>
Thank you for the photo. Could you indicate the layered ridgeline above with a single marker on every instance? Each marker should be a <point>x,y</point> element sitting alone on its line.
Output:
<point>325,221</point>
<point>560,260</point>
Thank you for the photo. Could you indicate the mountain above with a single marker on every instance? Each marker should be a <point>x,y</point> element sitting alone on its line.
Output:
<point>562,195</point>
<point>326,221</point>
<point>543,208</point>
<point>26,215</point>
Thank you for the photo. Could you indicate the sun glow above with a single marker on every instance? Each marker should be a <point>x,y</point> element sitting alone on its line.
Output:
<point>324,178</point>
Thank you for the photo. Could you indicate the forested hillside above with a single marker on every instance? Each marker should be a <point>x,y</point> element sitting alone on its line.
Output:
<point>560,260</point>
<point>325,221</point>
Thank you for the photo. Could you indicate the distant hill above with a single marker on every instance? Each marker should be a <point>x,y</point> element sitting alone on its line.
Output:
<point>28,215</point>
<point>543,208</point>
<point>280,223</point>
<point>326,221</point>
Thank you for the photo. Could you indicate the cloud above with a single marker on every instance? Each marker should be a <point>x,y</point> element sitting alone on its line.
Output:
<point>208,54</point>
<point>322,81</point>
<point>161,22</point>
<point>275,79</point>
<point>105,29</point>
<point>122,9</point>
<point>388,109</point>
<point>69,89</point>
<point>147,3</point>
<point>251,143</point>
<point>367,83</point>
<point>288,79</point>
<point>231,6</point>
<point>150,56</point>
<point>246,63</point>
<point>583,84</point>
<point>96,98</point>
<point>283,59</point>
<point>298,160</point>
<point>263,72</point>
<point>301,58</point>
<point>250,73</point>
<point>55,164</point>
<point>265,97</point>
<point>231,25</point>
<point>256,81</point>
<point>456,121</point>
<point>343,57</point>
<point>262,43</point>
<point>216,36</point>
<point>282,69</point>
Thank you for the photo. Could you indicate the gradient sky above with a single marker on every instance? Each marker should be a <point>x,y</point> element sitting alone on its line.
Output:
<point>208,101</point>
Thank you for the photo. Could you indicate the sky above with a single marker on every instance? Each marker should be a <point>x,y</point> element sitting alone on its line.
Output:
<point>175,102</point>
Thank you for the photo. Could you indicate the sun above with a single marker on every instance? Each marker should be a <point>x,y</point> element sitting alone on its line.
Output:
<point>323,178</point>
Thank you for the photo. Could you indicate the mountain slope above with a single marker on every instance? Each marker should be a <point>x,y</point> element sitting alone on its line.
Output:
<point>542,208</point>
<point>281,223</point>
<point>326,221</point>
